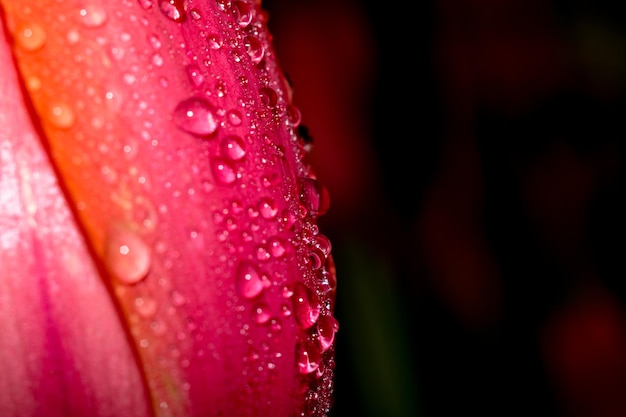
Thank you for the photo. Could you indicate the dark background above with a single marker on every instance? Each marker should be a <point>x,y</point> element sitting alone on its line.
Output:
<point>474,154</point>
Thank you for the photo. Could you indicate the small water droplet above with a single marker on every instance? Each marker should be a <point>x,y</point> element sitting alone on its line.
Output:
<point>145,306</point>
<point>194,74</point>
<point>146,4</point>
<point>277,247</point>
<point>195,14</point>
<point>61,115</point>
<point>157,60</point>
<point>30,37</point>
<point>173,10</point>
<point>294,117</point>
<point>317,258</point>
<point>223,172</point>
<point>214,41</point>
<point>127,256</point>
<point>261,313</point>
<point>196,116</point>
<point>93,16</point>
<point>233,147</point>
<point>249,281</point>
<point>306,306</point>
<point>314,196</point>
<point>268,97</point>
<point>262,254</point>
<point>177,298</point>
<point>267,208</point>
<point>234,117</point>
<point>154,41</point>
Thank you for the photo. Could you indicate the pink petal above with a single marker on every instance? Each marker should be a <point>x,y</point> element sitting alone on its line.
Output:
<point>172,128</point>
<point>63,349</point>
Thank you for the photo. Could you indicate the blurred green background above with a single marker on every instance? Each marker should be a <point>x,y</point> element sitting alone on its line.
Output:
<point>474,154</point>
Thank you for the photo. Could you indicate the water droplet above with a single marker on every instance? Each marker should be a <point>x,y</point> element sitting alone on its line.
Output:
<point>294,117</point>
<point>61,115</point>
<point>268,96</point>
<point>277,247</point>
<point>93,16</point>
<point>255,48</point>
<point>317,258</point>
<point>127,256</point>
<point>242,12</point>
<point>177,298</point>
<point>145,306</point>
<point>308,356</point>
<point>314,196</point>
<point>323,243</point>
<point>267,208</point>
<point>250,283</point>
<point>196,116</point>
<point>306,306</point>
<point>214,41</point>
<point>194,74</point>
<point>261,313</point>
<point>327,326</point>
<point>234,117</point>
<point>195,14</point>
<point>223,172</point>
<point>233,147</point>
<point>146,4</point>
<point>262,254</point>
<point>154,41</point>
<point>173,10</point>
<point>30,37</point>
<point>157,60</point>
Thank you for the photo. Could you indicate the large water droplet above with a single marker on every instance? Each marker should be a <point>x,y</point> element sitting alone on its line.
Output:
<point>173,9</point>
<point>196,116</point>
<point>250,283</point>
<point>327,326</point>
<point>254,48</point>
<point>308,356</point>
<point>242,12</point>
<point>306,306</point>
<point>128,257</point>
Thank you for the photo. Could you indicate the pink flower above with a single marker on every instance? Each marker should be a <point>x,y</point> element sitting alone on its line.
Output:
<point>159,247</point>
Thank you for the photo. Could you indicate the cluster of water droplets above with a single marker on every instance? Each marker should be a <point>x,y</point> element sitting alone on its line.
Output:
<point>276,228</point>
